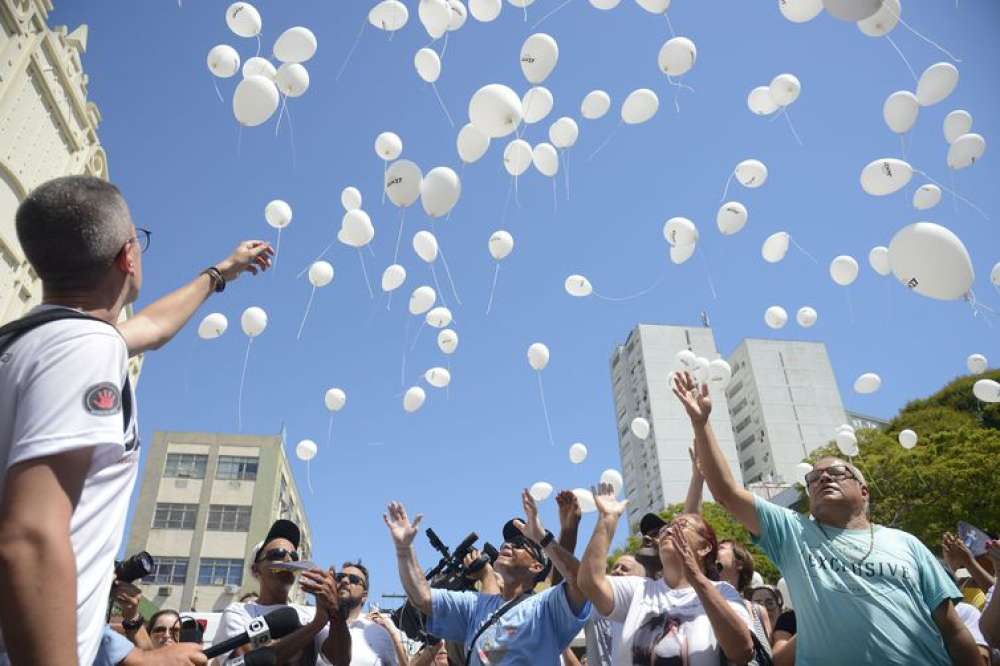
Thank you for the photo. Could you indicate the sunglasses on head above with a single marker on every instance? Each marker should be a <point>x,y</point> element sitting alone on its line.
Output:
<point>352,579</point>
<point>835,472</point>
<point>278,555</point>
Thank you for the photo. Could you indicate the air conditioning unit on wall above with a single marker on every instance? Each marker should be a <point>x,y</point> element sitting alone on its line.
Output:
<point>164,591</point>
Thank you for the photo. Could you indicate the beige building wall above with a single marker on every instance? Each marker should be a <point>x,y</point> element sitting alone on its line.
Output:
<point>195,470</point>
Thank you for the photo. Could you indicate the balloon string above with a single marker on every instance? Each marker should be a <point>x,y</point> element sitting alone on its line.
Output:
<point>447,272</point>
<point>802,250</point>
<point>444,47</point>
<point>905,61</point>
<point>525,8</point>
<point>784,111</point>
<point>309,480</point>
<point>902,143</point>
<point>545,409</point>
<point>729,180</point>
<point>388,302</point>
<point>929,41</point>
<point>364,272</point>
<point>708,273</point>
<point>566,170</point>
<point>321,255</point>
<point>306,314</point>
<point>329,430</point>
<point>669,24</point>
<point>443,107</point>
<point>385,173</point>
<point>506,203</point>
<point>258,45</point>
<point>284,102</point>
<point>541,20</point>
<point>277,249</point>
<point>417,336</point>
<point>496,273</point>
<point>606,142</point>
<point>955,194</point>
<point>436,285</point>
<point>638,294</point>
<point>357,40</point>
<point>406,337</point>
<point>399,236</point>
<point>239,399</point>
<point>291,134</point>
<point>517,198</point>
<point>215,84</point>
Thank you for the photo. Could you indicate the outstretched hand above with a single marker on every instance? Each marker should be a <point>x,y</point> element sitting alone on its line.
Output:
<point>608,506</point>
<point>249,256</point>
<point>533,528</point>
<point>401,529</point>
<point>695,398</point>
<point>692,567</point>
<point>569,509</point>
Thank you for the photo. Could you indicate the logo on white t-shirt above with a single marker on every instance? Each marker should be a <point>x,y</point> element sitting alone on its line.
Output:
<point>104,399</point>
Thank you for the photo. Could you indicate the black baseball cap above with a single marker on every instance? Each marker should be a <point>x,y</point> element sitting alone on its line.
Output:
<point>511,534</point>
<point>650,522</point>
<point>281,529</point>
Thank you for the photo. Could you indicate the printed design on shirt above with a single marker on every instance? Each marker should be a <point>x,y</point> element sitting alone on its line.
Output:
<point>493,645</point>
<point>104,399</point>
<point>852,577</point>
<point>662,640</point>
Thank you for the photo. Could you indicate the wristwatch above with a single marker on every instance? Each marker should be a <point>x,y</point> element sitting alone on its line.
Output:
<point>133,624</point>
<point>546,540</point>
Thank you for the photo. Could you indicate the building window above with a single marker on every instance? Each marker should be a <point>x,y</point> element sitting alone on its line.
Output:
<point>736,388</point>
<point>741,425</point>
<point>168,571</point>
<point>739,407</point>
<point>745,444</point>
<point>220,572</point>
<point>748,463</point>
<point>175,516</point>
<point>237,468</point>
<point>228,518</point>
<point>185,466</point>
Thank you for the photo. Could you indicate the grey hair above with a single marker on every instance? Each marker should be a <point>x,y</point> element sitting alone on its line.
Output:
<point>71,230</point>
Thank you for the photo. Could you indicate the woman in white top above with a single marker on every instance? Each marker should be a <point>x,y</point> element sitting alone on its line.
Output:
<point>687,617</point>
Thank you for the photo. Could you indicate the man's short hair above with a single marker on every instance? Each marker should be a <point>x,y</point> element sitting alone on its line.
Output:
<point>71,229</point>
<point>362,568</point>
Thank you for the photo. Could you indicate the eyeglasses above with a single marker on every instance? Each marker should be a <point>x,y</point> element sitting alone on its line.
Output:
<point>175,630</point>
<point>767,602</point>
<point>278,555</point>
<point>352,579</point>
<point>522,543</point>
<point>835,472</point>
<point>142,238</point>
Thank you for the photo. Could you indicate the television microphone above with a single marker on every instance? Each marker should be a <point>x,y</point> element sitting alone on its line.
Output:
<point>261,657</point>
<point>276,624</point>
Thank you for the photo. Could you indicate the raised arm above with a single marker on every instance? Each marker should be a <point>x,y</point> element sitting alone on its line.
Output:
<point>692,504</point>
<point>569,524</point>
<point>400,653</point>
<point>726,490</point>
<point>989,623</point>
<point>337,646</point>
<point>593,579</point>
<point>418,591</point>
<point>958,641</point>
<point>563,560</point>
<point>157,323</point>
<point>958,555</point>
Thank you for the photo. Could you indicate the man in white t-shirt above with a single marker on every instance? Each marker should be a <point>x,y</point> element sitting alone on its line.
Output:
<point>69,439</point>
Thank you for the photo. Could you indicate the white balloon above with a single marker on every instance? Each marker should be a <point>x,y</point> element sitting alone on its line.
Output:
<point>402,183</point>
<point>296,44</point>
<point>677,56</point>
<point>223,61</point>
<point>701,370</point>
<point>517,157</point>
<point>784,89</point>
<point>536,104</point>
<point>393,277</point>
<point>995,274</point>
<point>801,469</point>
<point>335,399</point>
<point>255,100</point>
<point>585,499</point>
<point>932,261</point>
<point>306,450</point>
<point>428,64</point>
<point>501,244</point>
<point>751,173</point>
<point>422,299</point>
<point>595,104</point>
<point>495,110</point>
<point>800,11</point>
<point>907,439</point>
<point>844,270</point>
<point>654,6</point>
<point>732,217</point>
<point>292,79</point>
<point>720,372</point>
<point>775,247</point>
<point>846,427</point>
<point>388,146</point>
<point>278,214</point>
<point>851,10</point>
<point>605,4</point>
<point>447,341</point>
<point>806,316</point>
<point>847,442</point>
<point>956,124</point>
<point>987,390</point>
<point>243,19</point>
<point>936,83</point>
<point>546,159</point>
<point>350,198</point>
<point>878,259</point>
<point>900,111</point>
<point>426,246</point>
<point>639,427</point>
<point>686,359</point>
<point>485,10</point>
<point>435,16</point>
<point>472,143</point>
<point>577,453</point>
<point>776,317</point>
<point>357,228</point>
<point>965,150</point>
<point>926,196</point>
<point>867,383</point>
<point>389,15</point>
<point>976,363</point>
<point>253,321</point>
<point>258,66</point>
<point>681,253</point>
<point>613,478</point>
<point>579,286</point>
<point>680,231</point>
<point>438,377</point>
<point>539,55</point>
<point>458,15</point>
<point>439,191</point>
<point>320,273</point>
<point>438,317</point>
<point>639,106</point>
<point>540,491</point>
<point>882,22</point>
<point>212,326</point>
<point>564,132</point>
<point>760,102</point>
<point>538,356</point>
<point>885,176</point>
<point>414,399</point>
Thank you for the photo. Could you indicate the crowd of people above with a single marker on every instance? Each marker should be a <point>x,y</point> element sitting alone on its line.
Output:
<point>861,593</point>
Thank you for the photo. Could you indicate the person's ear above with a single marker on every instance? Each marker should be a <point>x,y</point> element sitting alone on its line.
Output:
<point>123,261</point>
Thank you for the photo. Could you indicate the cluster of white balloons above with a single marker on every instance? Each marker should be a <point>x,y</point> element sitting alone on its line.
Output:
<point>682,235</point>
<point>783,90</point>
<point>776,317</point>
<point>716,372</point>
<point>847,440</point>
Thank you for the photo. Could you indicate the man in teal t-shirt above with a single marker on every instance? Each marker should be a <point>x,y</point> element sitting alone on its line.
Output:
<point>863,593</point>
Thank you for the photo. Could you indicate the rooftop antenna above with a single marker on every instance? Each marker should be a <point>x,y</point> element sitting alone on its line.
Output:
<point>704,320</point>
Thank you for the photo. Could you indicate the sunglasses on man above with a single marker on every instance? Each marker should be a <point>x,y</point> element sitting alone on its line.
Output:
<point>278,555</point>
<point>835,472</point>
<point>353,579</point>
<point>522,543</point>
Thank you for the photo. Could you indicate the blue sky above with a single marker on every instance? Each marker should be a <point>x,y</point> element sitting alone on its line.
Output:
<point>462,459</point>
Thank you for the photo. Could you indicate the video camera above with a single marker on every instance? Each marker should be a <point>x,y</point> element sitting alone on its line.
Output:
<point>133,568</point>
<point>450,573</point>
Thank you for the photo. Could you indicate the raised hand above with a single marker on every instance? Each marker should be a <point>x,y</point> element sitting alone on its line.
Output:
<point>533,529</point>
<point>956,553</point>
<point>401,529</point>
<point>383,620</point>
<point>322,585</point>
<point>249,256</point>
<point>127,596</point>
<point>692,566</point>
<point>608,506</point>
<point>695,399</point>
<point>569,509</point>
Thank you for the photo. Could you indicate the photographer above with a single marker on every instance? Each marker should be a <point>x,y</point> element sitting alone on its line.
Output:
<point>516,627</point>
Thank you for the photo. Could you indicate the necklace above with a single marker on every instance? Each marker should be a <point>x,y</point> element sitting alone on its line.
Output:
<point>871,543</point>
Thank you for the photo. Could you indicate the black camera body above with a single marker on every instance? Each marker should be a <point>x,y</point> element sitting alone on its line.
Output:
<point>135,567</point>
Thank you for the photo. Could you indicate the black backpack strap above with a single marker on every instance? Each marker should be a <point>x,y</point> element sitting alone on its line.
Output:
<point>491,621</point>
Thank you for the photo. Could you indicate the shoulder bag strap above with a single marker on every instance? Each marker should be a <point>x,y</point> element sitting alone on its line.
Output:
<point>490,622</point>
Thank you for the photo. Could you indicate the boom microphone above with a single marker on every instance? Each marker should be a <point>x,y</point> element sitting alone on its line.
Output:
<point>276,624</point>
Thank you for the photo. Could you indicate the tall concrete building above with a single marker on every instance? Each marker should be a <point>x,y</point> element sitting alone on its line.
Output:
<point>657,470</point>
<point>783,403</point>
<point>206,499</point>
<point>48,128</point>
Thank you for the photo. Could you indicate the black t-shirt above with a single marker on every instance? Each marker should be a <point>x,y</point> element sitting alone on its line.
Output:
<point>786,622</point>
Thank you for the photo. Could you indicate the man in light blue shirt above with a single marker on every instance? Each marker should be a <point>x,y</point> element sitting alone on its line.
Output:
<point>863,593</point>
